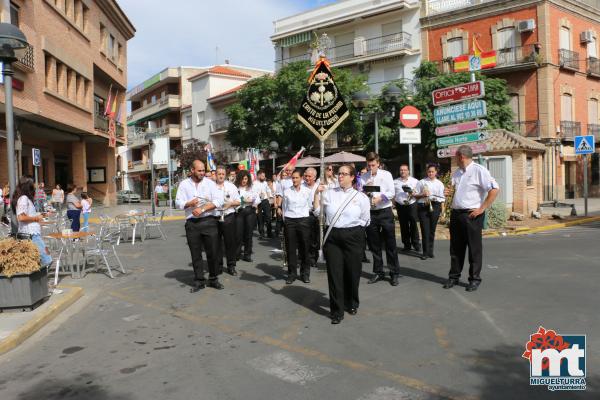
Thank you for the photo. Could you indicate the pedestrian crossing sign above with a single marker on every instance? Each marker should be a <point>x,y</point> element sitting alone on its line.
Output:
<point>584,144</point>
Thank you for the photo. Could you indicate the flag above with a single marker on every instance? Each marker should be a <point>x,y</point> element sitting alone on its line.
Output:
<point>113,109</point>
<point>488,58</point>
<point>244,165</point>
<point>118,119</point>
<point>107,106</point>
<point>253,158</point>
<point>476,47</point>
<point>294,160</point>
<point>210,161</point>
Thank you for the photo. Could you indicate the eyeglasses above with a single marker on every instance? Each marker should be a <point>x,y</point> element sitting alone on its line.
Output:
<point>344,174</point>
<point>329,169</point>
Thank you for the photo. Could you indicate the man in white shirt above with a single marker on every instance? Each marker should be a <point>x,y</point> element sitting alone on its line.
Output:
<point>284,181</point>
<point>227,239</point>
<point>406,208</point>
<point>157,189</point>
<point>312,183</point>
<point>474,191</point>
<point>199,197</point>
<point>382,226</point>
<point>264,207</point>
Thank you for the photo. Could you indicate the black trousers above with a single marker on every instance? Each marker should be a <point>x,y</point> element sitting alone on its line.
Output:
<point>245,222</point>
<point>264,218</point>
<point>227,241</point>
<point>407,217</point>
<point>201,234</point>
<point>343,254</point>
<point>313,252</point>
<point>465,232</point>
<point>297,231</point>
<point>382,229</point>
<point>428,221</point>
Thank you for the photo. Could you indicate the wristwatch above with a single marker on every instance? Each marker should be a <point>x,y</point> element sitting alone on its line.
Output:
<point>202,210</point>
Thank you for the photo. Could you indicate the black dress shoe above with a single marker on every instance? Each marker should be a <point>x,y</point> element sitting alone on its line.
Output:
<point>198,285</point>
<point>290,280</point>
<point>247,258</point>
<point>417,249</point>
<point>305,279</point>
<point>336,319</point>
<point>214,283</point>
<point>394,280</point>
<point>231,271</point>
<point>450,283</point>
<point>423,257</point>
<point>430,255</point>
<point>353,311</point>
<point>376,279</point>
<point>405,249</point>
<point>472,286</point>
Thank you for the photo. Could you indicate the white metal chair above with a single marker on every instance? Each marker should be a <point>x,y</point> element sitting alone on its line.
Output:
<point>103,247</point>
<point>154,222</point>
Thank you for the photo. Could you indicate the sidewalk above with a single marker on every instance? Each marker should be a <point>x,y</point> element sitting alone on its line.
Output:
<point>144,205</point>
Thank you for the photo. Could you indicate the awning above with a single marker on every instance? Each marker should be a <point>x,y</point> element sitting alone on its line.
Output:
<point>296,39</point>
<point>149,117</point>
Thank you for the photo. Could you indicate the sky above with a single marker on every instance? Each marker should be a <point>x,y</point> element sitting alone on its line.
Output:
<point>204,32</point>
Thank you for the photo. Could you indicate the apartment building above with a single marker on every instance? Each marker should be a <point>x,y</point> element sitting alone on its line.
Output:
<point>77,54</point>
<point>547,51</point>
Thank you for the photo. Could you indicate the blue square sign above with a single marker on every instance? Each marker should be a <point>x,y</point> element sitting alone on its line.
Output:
<point>584,144</point>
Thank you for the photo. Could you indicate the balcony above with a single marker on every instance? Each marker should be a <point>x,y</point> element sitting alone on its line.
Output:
<point>515,58</point>
<point>570,129</point>
<point>164,104</point>
<point>136,136</point>
<point>219,125</point>
<point>568,59</point>
<point>281,63</point>
<point>137,166</point>
<point>101,124</point>
<point>28,61</point>
<point>593,67</point>
<point>594,129</point>
<point>529,129</point>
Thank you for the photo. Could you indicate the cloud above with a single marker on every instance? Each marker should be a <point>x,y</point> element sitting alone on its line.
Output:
<point>188,32</point>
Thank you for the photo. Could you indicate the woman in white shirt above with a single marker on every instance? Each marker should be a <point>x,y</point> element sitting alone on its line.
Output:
<point>430,195</point>
<point>86,209</point>
<point>29,218</point>
<point>58,198</point>
<point>246,217</point>
<point>347,213</point>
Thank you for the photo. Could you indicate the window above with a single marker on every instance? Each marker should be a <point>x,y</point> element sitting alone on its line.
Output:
<point>163,123</point>
<point>592,111</point>
<point>98,105</point>
<point>110,47</point>
<point>592,48</point>
<point>344,46</point>
<point>514,103</point>
<point>187,122</point>
<point>507,38</point>
<point>14,14</point>
<point>200,118</point>
<point>529,171</point>
<point>566,107</point>
<point>153,101</point>
<point>392,33</point>
<point>119,55</point>
<point>565,38</point>
<point>163,94</point>
<point>455,47</point>
<point>393,73</point>
<point>103,44</point>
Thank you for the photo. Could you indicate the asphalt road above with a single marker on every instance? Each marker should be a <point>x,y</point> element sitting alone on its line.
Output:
<point>145,336</point>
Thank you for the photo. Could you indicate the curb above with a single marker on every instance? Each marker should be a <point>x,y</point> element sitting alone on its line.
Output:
<point>32,326</point>
<point>166,218</point>
<point>527,231</point>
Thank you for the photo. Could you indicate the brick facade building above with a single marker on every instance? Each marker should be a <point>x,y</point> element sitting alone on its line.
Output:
<point>78,54</point>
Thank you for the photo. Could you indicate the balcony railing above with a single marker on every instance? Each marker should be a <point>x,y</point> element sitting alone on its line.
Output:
<point>570,129</point>
<point>515,56</point>
<point>101,124</point>
<point>530,129</point>
<point>219,125</point>
<point>594,129</point>
<point>169,101</point>
<point>28,60</point>
<point>593,66</point>
<point>568,59</point>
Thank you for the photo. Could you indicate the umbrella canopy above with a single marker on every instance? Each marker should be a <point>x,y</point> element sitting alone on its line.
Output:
<point>344,157</point>
<point>308,161</point>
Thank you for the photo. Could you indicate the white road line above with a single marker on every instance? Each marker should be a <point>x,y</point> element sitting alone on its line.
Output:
<point>389,393</point>
<point>484,313</point>
<point>284,366</point>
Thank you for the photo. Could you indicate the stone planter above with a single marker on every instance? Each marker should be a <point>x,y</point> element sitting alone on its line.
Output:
<point>23,291</point>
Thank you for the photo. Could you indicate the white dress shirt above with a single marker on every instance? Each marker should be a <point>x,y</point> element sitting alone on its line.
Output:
<point>435,188</point>
<point>297,203</point>
<point>206,191</point>
<point>26,207</point>
<point>251,196</point>
<point>282,185</point>
<point>356,213</point>
<point>332,183</point>
<point>401,196</point>
<point>230,193</point>
<point>471,186</point>
<point>312,189</point>
<point>385,181</point>
<point>262,188</point>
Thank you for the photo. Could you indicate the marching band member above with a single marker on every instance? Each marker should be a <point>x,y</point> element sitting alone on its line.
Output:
<point>227,224</point>
<point>246,217</point>
<point>282,183</point>
<point>347,213</point>
<point>312,183</point>
<point>199,196</point>
<point>297,204</point>
<point>382,226</point>
<point>406,208</point>
<point>330,179</point>
<point>430,195</point>
<point>264,207</point>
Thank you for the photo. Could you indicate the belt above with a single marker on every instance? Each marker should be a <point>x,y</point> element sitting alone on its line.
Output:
<point>461,210</point>
<point>196,220</point>
<point>377,210</point>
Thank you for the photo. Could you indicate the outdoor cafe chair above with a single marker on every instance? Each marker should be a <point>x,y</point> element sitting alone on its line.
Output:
<point>102,248</point>
<point>154,222</point>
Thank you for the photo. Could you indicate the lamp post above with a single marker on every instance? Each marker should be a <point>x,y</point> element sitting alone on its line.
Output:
<point>274,146</point>
<point>13,44</point>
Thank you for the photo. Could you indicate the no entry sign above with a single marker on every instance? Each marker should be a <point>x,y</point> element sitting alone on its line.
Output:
<point>410,116</point>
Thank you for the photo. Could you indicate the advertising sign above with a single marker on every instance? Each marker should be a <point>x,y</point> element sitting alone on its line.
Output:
<point>460,112</point>
<point>455,94</point>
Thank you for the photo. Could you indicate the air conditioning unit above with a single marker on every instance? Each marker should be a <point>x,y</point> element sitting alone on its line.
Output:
<point>586,37</point>
<point>527,25</point>
<point>360,46</point>
<point>364,68</point>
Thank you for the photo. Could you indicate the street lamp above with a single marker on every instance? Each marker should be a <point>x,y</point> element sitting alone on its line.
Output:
<point>13,45</point>
<point>274,146</point>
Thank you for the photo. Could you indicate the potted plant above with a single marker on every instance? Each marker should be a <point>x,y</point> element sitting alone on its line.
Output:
<point>23,283</point>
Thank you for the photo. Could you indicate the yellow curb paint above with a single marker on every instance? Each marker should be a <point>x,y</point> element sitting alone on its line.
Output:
<point>547,227</point>
<point>31,327</point>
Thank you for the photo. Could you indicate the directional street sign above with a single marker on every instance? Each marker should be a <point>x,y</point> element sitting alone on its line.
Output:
<point>462,127</point>
<point>37,157</point>
<point>451,151</point>
<point>410,116</point>
<point>461,139</point>
<point>410,136</point>
<point>454,94</point>
<point>584,144</point>
<point>460,112</point>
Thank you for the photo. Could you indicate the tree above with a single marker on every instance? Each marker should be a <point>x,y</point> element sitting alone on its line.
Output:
<point>427,79</point>
<point>267,106</point>
<point>196,151</point>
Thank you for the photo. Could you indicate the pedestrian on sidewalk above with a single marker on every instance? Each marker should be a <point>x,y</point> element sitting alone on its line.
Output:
<point>5,198</point>
<point>157,190</point>
<point>73,208</point>
<point>430,195</point>
<point>58,199</point>
<point>40,197</point>
<point>86,209</point>
<point>474,191</point>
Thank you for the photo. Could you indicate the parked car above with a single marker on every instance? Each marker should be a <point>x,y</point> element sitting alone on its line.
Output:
<point>127,196</point>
